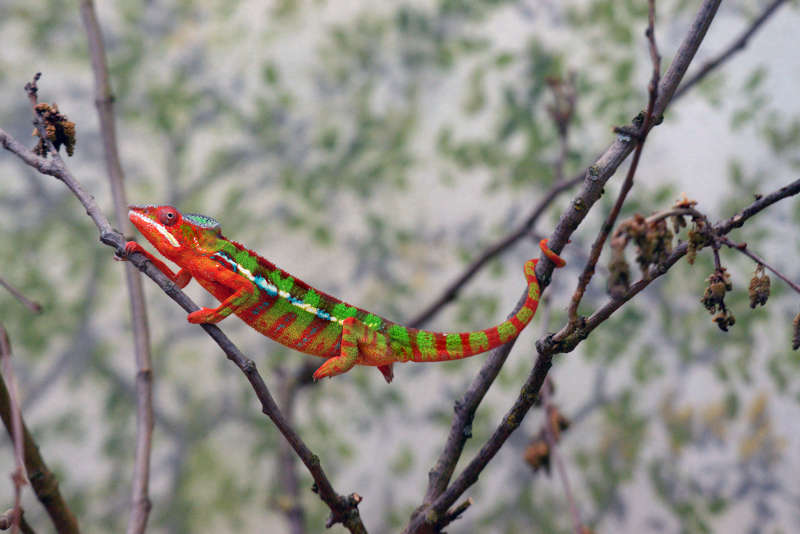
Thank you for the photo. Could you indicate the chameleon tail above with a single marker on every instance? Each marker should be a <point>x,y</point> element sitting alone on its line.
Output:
<point>439,346</point>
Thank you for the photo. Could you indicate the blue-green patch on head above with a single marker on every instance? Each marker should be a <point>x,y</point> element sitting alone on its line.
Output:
<point>203,221</point>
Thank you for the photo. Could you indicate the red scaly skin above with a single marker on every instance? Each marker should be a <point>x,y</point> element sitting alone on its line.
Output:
<point>297,315</point>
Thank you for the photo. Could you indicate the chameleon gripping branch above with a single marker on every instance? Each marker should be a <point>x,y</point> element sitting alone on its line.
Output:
<point>344,509</point>
<point>293,313</point>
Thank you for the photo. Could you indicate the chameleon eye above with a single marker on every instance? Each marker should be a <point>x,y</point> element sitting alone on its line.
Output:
<point>167,216</point>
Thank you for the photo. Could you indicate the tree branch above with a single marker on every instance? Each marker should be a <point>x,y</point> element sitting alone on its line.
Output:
<point>43,482</point>
<point>547,349</point>
<point>290,385</point>
<point>454,288</point>
<point>736,46</point>
<point>759,260</point>
<point>15,431</point>
<point>343,509</point>
<point>595,178</point>
<point>32,305</point>
<point>500,246</point>
<point>640,135</point>
<point>104,101</point>
<point>550,429</point>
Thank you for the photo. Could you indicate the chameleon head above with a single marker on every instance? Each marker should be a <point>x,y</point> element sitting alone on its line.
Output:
<point>170,231</point>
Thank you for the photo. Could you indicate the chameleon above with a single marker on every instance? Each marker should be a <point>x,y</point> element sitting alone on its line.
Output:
<point>297,315</point>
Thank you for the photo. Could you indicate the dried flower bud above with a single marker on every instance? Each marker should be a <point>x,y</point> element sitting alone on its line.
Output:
<point>717,290</point>
<point>558,423</point>
<point>678,222</point>
<point>57,128</point>
<point>537,454</point>
<point>759,287</point>
<point>796,332</point>
<point>724,320</point>
<point>619,274</point>
<point>684,202</point>
<point>713,298</point>
<point>697,240</point>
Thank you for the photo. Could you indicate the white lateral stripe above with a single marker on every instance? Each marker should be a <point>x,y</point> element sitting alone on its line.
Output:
<point>284,294</point>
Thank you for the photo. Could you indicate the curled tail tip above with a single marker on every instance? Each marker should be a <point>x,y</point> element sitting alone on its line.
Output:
<point>530,265</point>
<point>552,256</point>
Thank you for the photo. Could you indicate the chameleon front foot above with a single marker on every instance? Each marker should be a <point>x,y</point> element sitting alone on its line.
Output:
<point>204,316</point>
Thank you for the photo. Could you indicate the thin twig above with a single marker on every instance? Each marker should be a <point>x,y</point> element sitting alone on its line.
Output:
<point>720,229</point>
<point>290,484</point>
<point>18,475</point>
<point>455,513</point>
<point>641,135</point>
<point>437,498</point>
<point>561,112</point>
<point>10,516</point>
<point>43,482</point>
<point>452,290</point>
<point>737,45</point>
<point>32,305</point>
<point>104,101</point>
<point>547,349</point>
<point>344,509</point>
<point>742,247</point>
<point>552,443</point>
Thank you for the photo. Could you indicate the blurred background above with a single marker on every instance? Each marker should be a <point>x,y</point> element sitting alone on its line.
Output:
<point>374,149</point>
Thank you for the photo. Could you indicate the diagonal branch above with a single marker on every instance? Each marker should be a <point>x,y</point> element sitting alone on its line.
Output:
<point>10,516</point>
<point>454,288</point>
<point>18,476</point>
<point>759,260</point>
<point>736,46</point>
<point>595,178</point>
<point>32,305</point>
<point>104,100</point>
<point>43,481</point>
<point>547,349</point>
<point>290,503</point>
<point>344,509</point>
<point>501,245</point>
<point>641,135</point>
<point>550,429</point>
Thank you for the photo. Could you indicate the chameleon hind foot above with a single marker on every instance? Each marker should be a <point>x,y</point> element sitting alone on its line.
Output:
<point>336,366</point>
<point>353,332</point>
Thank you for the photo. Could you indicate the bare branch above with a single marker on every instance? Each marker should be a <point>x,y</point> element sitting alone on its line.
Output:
<point>10,517</point>
<point>287,394</point>
<point>742,247</point>
<point>43,482</point>
<point>596,176</point>
<point>344,509</point>
<point>641,135</point>
<point>550,430</point>
<point>32,305</point>
<point>18,475</point>
<point>454,288</point>
<point>104,101</point>
<point>736,46</point>
<point>547,349</point>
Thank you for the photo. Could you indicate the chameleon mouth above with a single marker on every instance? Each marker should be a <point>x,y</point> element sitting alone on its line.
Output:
<point>147,221</point>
